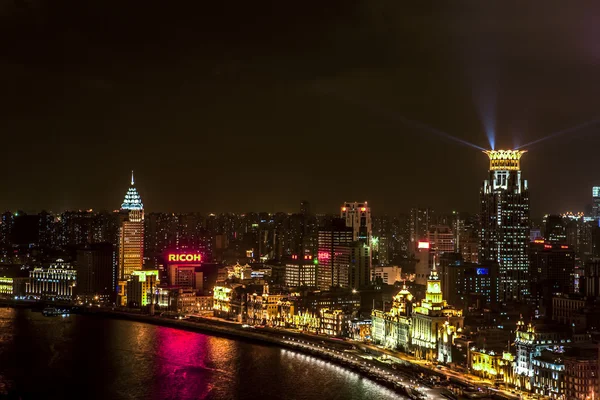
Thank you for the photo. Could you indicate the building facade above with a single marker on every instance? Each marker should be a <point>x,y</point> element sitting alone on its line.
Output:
<point>131,234</point>
<point>504,218</point>
<point>56,282</point>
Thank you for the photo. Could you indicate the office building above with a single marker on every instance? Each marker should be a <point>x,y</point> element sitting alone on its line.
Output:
<point>551,270</point>
<point>504,235</point>
<point>389,275</point>
<point>334,254</point>
<point>141,287</point>
<point>301,271</point>
<point>470,285</point>
<point>95,273</point>
<point>358,217</point>
<point>596,202</point>
<point>131,237</point>
<point>420,221</point>
<point>555,229</point>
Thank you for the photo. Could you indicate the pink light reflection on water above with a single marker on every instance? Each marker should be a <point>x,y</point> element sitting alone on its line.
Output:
<point>190,365</point>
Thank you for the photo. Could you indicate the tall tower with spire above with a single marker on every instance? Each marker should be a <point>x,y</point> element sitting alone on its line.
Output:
<point>131,237</point>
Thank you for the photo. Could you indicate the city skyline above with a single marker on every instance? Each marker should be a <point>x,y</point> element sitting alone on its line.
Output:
<point>232,113</point>
<point>317,207</point>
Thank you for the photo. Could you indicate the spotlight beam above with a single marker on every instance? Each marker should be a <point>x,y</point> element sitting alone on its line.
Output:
<point>408,122</point>
<point>561,132</point>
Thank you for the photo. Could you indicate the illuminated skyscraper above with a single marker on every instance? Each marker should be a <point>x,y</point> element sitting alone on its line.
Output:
<point>596,202</point>
<point>504,235</point>
<point>131,234</point>
<point>358,217</point>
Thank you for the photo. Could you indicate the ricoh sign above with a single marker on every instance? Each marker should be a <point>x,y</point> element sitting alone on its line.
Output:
<point>183,258</point>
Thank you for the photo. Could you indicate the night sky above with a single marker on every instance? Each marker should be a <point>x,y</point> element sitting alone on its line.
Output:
<point>253,105</point>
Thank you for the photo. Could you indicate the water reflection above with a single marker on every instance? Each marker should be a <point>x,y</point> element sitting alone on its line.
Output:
<point>96,358</point>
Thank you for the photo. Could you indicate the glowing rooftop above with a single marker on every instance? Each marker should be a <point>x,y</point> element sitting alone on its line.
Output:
<point>505,159</point>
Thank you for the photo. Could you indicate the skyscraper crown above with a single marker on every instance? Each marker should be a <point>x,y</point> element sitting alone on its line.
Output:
<point>505,159</point>
<point>132,201</point>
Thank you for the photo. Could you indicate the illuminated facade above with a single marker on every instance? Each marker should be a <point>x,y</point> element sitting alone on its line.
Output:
<point>596,202</point>
<point>6,286</point>
<point>504,235</point>
<point>141,286</point>
<point>301,272</point>
<point>492,365</point>
<point>222,301</point>
<point>131,234</point>
<point>393,329</point>
<point>358,217</point>
<point>530,341</point>
<point>549,374</point>
<point>334,255</point>
<point>435,324</point>
<point>56,282</point>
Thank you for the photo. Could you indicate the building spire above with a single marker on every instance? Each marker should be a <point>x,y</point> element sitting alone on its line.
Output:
<point>132,181</point>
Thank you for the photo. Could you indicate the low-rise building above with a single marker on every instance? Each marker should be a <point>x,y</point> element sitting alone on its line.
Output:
<point>56,282</point>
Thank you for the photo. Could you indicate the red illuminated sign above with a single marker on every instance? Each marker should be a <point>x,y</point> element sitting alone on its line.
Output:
<point>182,257</point>
<point>547,246</point>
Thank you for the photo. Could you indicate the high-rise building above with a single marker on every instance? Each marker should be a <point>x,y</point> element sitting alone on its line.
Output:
<point>551,272</point>
<point>420,221</point>
<point>441,240</point>
<point>334,255</point>
<point>596,202</point>
<point>555,229</point>
<point>131,236</point>
<point>358,217</point>
<point>504,234</point>
<point>95,274</point>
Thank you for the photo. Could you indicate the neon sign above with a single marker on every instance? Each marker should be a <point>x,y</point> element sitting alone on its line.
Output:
<point>178,257</point>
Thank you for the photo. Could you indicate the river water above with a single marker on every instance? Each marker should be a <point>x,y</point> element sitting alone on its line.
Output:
<point>86,357</point>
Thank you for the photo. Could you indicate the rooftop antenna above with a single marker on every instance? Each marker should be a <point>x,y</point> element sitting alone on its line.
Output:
<point>132,181</point>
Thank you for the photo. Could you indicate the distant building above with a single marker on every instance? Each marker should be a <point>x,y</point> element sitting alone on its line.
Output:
<point>530,341</point>
<point>389,275</point>
<point>596,202</point>
<point>131,235</point>
<point>334,255</point>
<point>435,324</point>
<point>470,285</point>
<point>504,234</point>
<point>358,217</point>
<point>420,221</point>
<point>95,272</point>
<point>141,287</point>
<point>551,270</point>
<point>56,282</point>
<point>555,229</point>
<point>184,269</point>
<point>301,271</point>
<point>393,329</point>
<point>441,239</point>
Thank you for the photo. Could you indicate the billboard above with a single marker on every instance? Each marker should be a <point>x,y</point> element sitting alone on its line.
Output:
<point>183,258</point>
